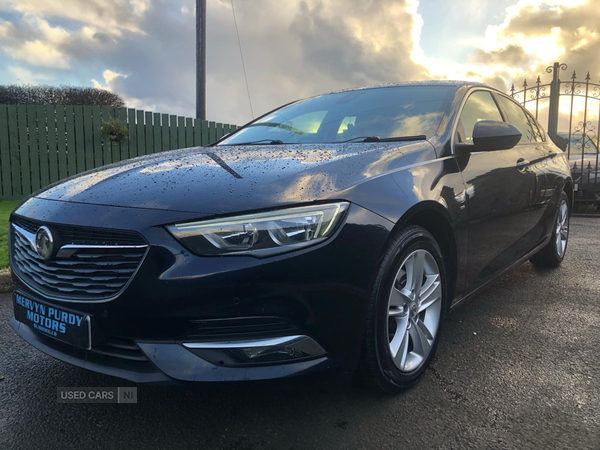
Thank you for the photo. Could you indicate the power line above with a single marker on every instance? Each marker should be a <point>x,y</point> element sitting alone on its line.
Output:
<point>242,57</point>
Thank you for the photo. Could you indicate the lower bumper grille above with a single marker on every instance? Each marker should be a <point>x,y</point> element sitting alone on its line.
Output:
<point>120,348</point>
<point>241,328</point>
<point>86,267</point>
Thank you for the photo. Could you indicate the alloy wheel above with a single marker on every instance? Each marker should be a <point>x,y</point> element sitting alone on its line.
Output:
<point>414,310</point>
<point>562,228</point>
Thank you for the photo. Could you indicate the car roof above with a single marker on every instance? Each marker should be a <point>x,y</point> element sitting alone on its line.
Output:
<point>454,83</point>
<point>451,83</point>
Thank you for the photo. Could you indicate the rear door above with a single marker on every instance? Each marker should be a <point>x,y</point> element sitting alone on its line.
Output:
<point>498,185</point>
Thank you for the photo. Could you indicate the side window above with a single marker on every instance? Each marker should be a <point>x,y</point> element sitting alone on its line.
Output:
<point>541,130</point>
<point>479,106</point>
<point>346,128</point>
<point>537,134</point>
<point>519,119</point>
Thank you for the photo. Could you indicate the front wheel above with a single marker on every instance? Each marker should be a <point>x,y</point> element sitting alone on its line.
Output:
<point>554,252</point>
<point>406,311</point>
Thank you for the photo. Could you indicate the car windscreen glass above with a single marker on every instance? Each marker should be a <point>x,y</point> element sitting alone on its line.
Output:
<point>382,112</point>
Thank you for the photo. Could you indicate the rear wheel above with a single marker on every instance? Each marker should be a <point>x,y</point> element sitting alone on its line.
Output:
<point>554,252</point>
<point>406,311</point>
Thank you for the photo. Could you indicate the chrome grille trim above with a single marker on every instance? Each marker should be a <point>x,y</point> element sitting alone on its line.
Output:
<point>69,249</point>
<point>27,235</point>
<point>79,272</point>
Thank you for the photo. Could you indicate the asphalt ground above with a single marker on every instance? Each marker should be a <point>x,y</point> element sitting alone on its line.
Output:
<point>517,368</point>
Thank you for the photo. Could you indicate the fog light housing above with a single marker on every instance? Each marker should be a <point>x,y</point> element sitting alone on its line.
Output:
<point>268,350</point>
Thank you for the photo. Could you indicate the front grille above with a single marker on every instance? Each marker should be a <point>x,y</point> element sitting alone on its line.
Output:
<point>85,235</point>
<point>92,264</point>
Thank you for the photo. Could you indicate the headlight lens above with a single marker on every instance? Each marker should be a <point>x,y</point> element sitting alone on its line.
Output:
<point>262,234</point>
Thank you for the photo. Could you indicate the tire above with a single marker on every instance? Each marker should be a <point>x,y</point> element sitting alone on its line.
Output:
<point>554,252</point>
<point>394,320</point>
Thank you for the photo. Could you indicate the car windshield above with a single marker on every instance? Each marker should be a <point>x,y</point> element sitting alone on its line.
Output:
<point>386,112</point>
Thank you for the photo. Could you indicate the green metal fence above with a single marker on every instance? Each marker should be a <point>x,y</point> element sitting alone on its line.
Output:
<point>41,144</point>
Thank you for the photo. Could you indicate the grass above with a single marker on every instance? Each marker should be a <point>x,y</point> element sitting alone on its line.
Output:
<point>5,210</point>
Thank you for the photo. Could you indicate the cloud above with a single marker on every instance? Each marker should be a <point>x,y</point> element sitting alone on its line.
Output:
<point>299,49</point>
<point>109,76</point>
<point>511,55</point>
<point>40,53</point>
<point>371,42</point>
<point>34,41</point>
<point>25,76</point>
<point>145,50</point>
<point>113,16</point>
<point>536,33</point>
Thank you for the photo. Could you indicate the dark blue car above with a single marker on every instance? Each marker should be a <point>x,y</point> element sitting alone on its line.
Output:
<point>329,235</point>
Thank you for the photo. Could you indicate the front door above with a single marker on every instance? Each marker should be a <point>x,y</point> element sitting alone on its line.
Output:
<point>533,148</point>
<point>498,185</point>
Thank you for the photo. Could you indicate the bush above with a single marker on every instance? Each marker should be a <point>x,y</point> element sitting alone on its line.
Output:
<point>114,130</point>
<point>51,95</point>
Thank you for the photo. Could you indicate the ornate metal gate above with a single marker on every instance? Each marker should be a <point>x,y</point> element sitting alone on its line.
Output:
<point>573,120</point>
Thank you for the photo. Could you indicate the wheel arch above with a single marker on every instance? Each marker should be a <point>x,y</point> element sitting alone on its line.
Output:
<point>434,217</point>
<point>568,188</point>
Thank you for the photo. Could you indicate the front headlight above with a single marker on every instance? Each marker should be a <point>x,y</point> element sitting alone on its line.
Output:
<point>261,234</point>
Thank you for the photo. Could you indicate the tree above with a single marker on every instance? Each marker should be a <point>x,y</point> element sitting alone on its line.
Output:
<point>15,94</point>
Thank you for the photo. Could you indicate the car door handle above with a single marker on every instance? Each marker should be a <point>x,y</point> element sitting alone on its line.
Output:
<point>522,162</point>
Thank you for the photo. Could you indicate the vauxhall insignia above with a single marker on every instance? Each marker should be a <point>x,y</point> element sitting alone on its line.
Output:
<point>44,243</point>
<point>332,225</point>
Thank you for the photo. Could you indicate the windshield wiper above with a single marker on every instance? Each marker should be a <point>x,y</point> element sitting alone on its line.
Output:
<point>420,137</point>
<point>266,141</point>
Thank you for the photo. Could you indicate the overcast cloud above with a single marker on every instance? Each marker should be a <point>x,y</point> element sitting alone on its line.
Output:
<point>144,49</point>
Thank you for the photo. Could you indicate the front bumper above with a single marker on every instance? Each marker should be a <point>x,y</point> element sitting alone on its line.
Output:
<point>166,362</point>
<point>176,297</point>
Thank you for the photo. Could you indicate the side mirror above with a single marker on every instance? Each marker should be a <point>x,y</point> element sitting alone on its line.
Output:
<point>491,135</point>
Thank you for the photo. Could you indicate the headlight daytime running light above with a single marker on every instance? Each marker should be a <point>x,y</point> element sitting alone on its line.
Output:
<point>261,234</point>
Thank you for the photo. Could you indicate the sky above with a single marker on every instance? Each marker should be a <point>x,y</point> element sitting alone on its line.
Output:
<point>144,50</point>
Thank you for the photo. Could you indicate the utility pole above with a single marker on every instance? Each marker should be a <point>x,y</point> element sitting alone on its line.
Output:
<point>201,59</point>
